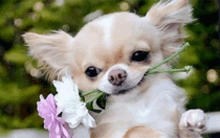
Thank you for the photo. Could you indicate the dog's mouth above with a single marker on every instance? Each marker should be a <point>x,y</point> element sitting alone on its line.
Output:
<point>124,91</point>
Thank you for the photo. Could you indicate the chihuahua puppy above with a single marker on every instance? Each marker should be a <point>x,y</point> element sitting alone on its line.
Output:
<point>112,54</point>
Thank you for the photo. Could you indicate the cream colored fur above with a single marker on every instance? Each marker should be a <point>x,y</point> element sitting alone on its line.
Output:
<point>151,109</point>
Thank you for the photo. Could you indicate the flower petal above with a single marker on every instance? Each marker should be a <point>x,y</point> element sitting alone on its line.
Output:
<point>68,102</point>
<point>47,123</point>
<point>51,103</point>
<point>42,98</point>
<point>57,129</point>
<point>65,132</point>
<point>88,121</point>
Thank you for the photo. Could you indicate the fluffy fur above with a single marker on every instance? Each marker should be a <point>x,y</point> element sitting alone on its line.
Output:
<point>150,107</point>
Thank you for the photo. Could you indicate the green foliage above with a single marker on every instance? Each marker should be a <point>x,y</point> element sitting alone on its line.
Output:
<point>19,90</point>
<point>203,55</point>
<point>17,55</point>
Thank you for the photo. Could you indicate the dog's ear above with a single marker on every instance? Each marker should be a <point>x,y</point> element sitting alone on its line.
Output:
<point>53,51</point>
<point>170,16</point>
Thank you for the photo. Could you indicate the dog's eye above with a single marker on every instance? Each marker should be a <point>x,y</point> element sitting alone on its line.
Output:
<point>92,71</point>
<point>139,56</point>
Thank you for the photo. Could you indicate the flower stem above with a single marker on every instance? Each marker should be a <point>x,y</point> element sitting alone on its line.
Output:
<point>170,57</point>
<point>169,71</point>
<point>90,92</point>
<point>99,94</point>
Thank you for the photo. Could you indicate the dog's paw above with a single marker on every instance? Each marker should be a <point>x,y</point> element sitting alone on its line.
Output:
<point>193,120</point>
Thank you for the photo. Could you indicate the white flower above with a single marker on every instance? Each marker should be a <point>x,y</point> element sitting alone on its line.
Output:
<point>68,101</point>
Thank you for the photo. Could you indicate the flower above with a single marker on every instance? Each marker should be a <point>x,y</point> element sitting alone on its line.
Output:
<point>67,93</point>
<point>47,109</point>
<point>78,113</point>
<point>68,101</point>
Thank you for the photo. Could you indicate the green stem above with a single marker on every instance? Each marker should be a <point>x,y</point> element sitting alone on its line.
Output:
<point>170,57</point>
<point>169,71</point>
<point>88,93</point>
<point>95,97</point>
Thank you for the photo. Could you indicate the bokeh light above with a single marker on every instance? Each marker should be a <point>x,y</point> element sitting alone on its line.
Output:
<point>212,75</point>
<point>124,6</point>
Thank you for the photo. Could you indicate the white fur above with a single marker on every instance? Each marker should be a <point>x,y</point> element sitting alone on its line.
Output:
<point>153,108</point>
<point>106,23</point>
<point>192,121</point>
<point>132,79</point>
<point>80,132</point>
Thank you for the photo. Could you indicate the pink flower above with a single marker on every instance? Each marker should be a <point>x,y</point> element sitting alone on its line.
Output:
<point>47,109</point>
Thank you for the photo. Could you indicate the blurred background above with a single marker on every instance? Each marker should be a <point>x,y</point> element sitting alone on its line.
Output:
<point>21,82</point>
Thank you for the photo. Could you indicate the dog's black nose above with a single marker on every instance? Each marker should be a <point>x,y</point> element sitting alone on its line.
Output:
<point>117,77</point>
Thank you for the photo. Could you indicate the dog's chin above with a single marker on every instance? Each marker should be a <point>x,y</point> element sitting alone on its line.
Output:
<point>124,91</point>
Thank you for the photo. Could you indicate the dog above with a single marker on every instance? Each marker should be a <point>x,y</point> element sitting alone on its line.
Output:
<point>112,53</point>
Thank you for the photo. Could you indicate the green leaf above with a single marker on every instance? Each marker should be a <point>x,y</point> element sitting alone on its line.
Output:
<point>7,33</point>
<point>3,71</point>
<point>101,102</point>
<point>89,106</point>
<point>16,55</point>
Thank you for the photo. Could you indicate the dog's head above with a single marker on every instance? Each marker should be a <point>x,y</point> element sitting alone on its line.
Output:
<point>113,52</point>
